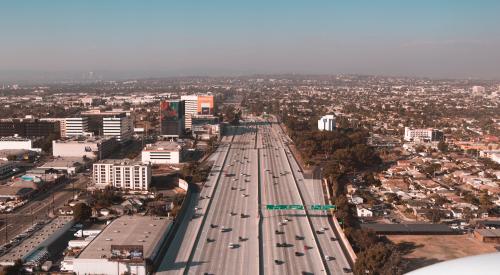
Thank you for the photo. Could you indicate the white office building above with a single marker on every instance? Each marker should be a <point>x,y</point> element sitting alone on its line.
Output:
<point>427,134</point>
<point>119,127</point>
<point>77,126</point>
<point>162,152</point>
<point>190,109</point>
<point>327,123</point>
<point>123,174</point>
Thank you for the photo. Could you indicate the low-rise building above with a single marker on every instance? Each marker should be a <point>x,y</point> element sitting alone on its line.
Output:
<point>162,152</point>
<point>128,244</point>
<point>124,174</point>
<point>89,147</point>
<point>15,143</point>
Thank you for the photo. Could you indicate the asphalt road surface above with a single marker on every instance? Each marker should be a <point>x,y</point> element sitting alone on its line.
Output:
<point>231,232</point>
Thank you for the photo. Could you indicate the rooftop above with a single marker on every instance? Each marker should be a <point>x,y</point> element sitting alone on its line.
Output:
<point>82,139</point>
<point>120,162</point>
<point>163,146</point>
<point>145,231</point>
<point>14,139</point>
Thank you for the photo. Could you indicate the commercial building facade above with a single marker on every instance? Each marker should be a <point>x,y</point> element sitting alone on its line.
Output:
<point>89,147</point>
<point>172,118</point>
<point>162,153</point>
<point>15,143</point>
<point>123,174</point>
<point>190,109</point>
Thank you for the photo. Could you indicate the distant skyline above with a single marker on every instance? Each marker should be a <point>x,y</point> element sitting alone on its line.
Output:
<point>57,39</point>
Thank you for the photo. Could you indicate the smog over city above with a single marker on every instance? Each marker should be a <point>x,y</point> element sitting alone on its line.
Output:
<point>250,137</point>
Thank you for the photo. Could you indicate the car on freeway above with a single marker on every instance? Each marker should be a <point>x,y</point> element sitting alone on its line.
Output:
<point>329,258</point>
<point>346,270</point>
<point>299,238</point>
<point>298,254</point>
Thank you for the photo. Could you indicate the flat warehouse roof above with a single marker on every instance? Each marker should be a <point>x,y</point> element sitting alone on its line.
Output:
<point>145,231</point>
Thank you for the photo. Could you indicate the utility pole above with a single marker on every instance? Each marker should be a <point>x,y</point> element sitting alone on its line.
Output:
<point>6,226</point>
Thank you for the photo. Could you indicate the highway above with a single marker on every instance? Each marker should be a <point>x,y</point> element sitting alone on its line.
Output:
<point>230,231</point>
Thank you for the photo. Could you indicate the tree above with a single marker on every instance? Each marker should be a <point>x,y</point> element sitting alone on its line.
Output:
<point>13,269</point>
<point>378,259</point>
<point>443,146</point>
<point>81,212</point>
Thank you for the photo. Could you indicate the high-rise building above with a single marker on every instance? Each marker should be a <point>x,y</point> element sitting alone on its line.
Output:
<point>77,126</point>
<point>120,127</point>
<point>124,174</point>
<point>327,123</point>
<point>190,109</point>
<point>172,118</point>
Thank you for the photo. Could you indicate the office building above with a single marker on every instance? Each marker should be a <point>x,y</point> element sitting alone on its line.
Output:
<point>190,109</point>
<point>62,124</point>
<point>124,174</point>
<point>172,118</point>
<point>162,152</point>
<point>77,126</point>
<point>89,147</point>
<point>29,128</point>
<point>128,245</point>
<point>95,118</point>
<point>427,134</point>
<point>120,127</point>
<point>327,123</point>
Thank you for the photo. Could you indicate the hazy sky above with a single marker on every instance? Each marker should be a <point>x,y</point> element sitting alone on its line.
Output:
<point>419,38</point>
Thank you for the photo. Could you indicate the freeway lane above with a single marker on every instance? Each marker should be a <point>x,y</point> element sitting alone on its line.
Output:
<point>235,208</point>
<point>312,193</point>
<point>299,254</point>
<point>178,253</point>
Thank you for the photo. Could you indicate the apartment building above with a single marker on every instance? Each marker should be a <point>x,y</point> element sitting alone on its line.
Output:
<point>123,174</point>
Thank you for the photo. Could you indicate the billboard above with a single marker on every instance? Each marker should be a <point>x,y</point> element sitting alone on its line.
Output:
<point>127,252</point>
<point>206,105</point>
<point>171,109</point>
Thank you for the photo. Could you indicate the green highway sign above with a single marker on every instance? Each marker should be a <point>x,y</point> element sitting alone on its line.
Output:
<point>299,207</point>
<point>323,207</point>
<point>284,207</point>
